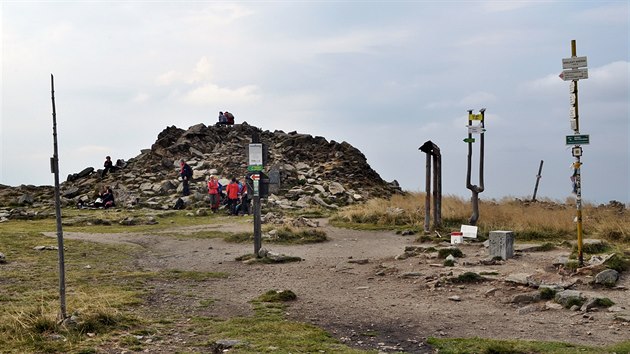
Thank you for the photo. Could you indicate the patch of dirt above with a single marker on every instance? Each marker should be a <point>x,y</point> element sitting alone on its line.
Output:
<point>353,287</point>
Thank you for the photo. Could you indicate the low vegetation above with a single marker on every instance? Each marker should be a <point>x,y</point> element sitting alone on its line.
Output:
<point>543,221</point>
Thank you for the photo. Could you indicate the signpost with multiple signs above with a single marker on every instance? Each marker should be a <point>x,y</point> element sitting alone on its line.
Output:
<point>574,69</point>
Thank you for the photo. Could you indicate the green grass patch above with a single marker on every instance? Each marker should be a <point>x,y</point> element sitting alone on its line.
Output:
<point>492,346</point>
<point>269,331</point>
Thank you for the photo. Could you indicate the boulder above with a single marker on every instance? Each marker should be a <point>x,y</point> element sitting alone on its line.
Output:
<point>607,277</point>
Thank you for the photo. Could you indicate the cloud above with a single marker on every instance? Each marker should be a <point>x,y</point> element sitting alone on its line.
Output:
<point>480,99</point>
<point>213,94</point>
<point>505,6</point>
<point>140,97</point>
<point>609,14</point>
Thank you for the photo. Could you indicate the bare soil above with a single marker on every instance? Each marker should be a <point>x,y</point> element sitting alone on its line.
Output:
<point>353,287</point>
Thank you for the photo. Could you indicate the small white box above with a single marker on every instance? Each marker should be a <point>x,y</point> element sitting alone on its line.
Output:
<point>469,231</point>
<point>457,237</point>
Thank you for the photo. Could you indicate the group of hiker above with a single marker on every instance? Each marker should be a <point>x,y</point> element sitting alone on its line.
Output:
<point>234,196</point>
<point>226,118</point>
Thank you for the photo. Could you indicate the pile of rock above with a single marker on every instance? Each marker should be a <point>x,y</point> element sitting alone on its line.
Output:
<point>306,170</point>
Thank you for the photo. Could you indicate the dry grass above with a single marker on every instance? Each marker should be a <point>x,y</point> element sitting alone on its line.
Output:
<point>542,220</point>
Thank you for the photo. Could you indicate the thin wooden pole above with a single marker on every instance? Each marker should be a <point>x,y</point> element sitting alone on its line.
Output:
<point>55,170</point>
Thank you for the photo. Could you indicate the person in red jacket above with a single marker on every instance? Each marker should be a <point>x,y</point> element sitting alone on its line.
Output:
<point>232,195</point>
<point>213,191</point>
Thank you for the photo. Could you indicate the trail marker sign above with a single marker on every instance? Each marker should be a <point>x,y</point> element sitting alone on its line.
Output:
<point>577,139</point>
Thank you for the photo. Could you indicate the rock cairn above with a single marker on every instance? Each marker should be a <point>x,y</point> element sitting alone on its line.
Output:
<point>311,171</point>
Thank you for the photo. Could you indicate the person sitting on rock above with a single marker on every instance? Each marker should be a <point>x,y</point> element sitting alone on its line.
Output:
<point>108,166</point>
<point>222,119</point>
<point>108,198</point>
<point>229,117</point>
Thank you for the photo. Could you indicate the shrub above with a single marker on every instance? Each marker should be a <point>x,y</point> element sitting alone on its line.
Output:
<point>277,296</point>
<point>454,251</point>
<point>468,277</point>
<point>547,293</point>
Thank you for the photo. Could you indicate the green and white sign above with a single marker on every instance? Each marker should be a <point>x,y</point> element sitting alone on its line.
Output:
<point>577,139</point>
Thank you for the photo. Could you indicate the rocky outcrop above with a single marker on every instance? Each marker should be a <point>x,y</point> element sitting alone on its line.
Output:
<point>307,170</point>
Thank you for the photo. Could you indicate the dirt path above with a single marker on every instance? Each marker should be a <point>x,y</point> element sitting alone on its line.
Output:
<point>352,285</point>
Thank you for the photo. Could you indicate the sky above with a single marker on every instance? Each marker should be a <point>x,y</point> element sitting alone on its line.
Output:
<point>384,76</point>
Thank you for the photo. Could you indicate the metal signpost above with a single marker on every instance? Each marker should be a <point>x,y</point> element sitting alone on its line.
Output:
<point>574,69</point>
<point>475,189</point>
<point>255,166</point>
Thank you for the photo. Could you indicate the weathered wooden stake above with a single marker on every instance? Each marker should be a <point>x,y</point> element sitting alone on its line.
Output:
<point>54,166</point>
<point>538,176</point>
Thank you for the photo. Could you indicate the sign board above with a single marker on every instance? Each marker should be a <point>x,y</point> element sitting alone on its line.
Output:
<point>576,151</point>
<point>255,177</point>
<point>255,155</point>
<point>574,74</point>
<point>475,129</point>
<point>469,140</point>
<point>475,116</point>
<point>577,139</point>
<point>574,63</point>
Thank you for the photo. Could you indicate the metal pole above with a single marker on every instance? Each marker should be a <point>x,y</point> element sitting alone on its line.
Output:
<point>427,197</point>
<point>55,170</point>
<point>435,189</point>
<point>256,202</point>
<point>538,176</point>
<point>577,165</point>
<point>438,210</point>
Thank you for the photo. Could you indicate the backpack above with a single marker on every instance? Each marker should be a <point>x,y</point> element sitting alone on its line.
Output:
<point>179,204</point>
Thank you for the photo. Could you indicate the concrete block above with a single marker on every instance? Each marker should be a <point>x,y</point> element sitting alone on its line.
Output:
<point>501,244</point>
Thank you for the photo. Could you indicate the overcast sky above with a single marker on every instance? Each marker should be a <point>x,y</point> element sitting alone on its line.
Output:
<point>385,76</point>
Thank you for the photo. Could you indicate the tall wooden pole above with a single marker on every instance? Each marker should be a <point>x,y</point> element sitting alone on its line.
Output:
<point>538,176</point>
<point>54,164</point>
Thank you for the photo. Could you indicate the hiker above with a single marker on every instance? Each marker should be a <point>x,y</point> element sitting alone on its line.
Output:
<point>108,166</point>
<point>243,207</point>
<point>232,195</point>
<point>108,198</point>
<point>222,119</point>
<point>185,173</point>
<point>213,191</point>
<point>229,118</point>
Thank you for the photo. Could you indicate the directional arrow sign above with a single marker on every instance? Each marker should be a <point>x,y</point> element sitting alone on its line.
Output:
<point>255,177</point>
<point>475,129</point>
<point>469,140</point>
<point>574,74</point>
<point>574,63</point>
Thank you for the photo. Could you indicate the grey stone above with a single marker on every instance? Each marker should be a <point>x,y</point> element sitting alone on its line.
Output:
<point>411,275</point>
<point>455,298</point>
<point>518,278</point>
<point>527,309</point>
<point>561,261</point>
<point>526,298</point>
<point>607,277</point>
<point>565,296</point>
<point>71,192</point>
<point>335,188</point>
<point>501,244</point>
<point>25,199</point>
<point>3,258</point>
